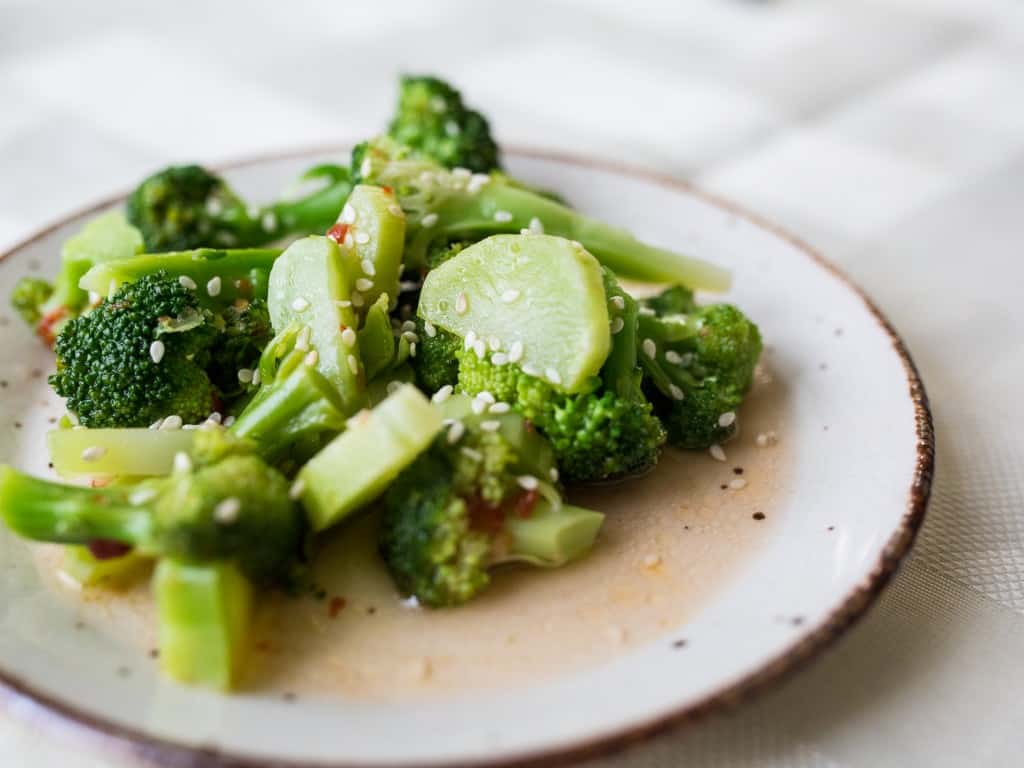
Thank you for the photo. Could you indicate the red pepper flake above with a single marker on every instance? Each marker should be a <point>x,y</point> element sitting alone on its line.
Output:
<point>45,329</point>
<point>388,190</point>
<point>337,232</point>
<point>106,549</point>
<point>244,286</point>
<point>342,327</point>
<point>336,606</point>
<point>485,517</point>
<point>525,504</point>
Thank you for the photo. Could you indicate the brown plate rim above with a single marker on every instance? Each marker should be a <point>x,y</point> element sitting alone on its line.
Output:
<point>852,608</point>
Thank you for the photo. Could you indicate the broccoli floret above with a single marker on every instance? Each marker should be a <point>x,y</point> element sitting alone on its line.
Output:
<point>138,357</point>
<point>699,363</point>
<point>185,207</point>
<point>432,120</point>
<point>440,252</point>
<point>29,298</point>
<point>444,205</point>
<point>473,501</point>
<point>236,509</point>
<point>436,363</point>
<point>245,332</point>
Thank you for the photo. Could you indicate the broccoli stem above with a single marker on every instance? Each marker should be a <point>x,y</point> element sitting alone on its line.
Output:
<point>205,614</point>
<point>551,536</point>
<point>473,216</point>
<point>312,214</point>
<point>45,511</point>
<point>125,452</point>
<point>243,273</point>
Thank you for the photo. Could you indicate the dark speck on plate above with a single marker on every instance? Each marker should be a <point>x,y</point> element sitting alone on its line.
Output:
<point>737,470</point>
<point>154,653</point>
<point>124,672</point>
<point>678,644</point>
<point>758,515</point>
<point>288,696</point>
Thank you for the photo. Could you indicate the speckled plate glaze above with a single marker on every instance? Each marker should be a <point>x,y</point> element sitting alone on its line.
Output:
<point>714,579</point>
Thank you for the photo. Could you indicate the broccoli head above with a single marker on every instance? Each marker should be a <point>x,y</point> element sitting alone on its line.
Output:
<point>436,363</point>
<point>244,331</point>
<point>699,362</point>
<point>432,119</point>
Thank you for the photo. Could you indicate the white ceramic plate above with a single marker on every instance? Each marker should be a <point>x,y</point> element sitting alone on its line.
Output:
<point>701,593</point>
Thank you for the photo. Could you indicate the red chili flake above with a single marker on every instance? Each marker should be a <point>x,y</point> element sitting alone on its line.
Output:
<point>244,286</point>
<point>337,232</point>
<point>485,517</point>
<point>106,549</point>
<point>525,503</point>
<point>335,606</point>
<point>45,329</point>
<point>342,327</point>
<point>388,190</point>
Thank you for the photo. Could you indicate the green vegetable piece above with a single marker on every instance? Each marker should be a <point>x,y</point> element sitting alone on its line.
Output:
<point>541,297</point>
<point>379,389</point>
<point>131,451</point>
<point>359,464</point>
<point>115,572</point>
<point>551,537</point>
<point>309,287</point>
<point>205,616</point>
<point>377,343</point>
<point>373,257</point>
<point>218,277</point>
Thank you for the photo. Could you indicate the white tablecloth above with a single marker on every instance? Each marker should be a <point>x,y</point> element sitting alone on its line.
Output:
<point>889,133</point>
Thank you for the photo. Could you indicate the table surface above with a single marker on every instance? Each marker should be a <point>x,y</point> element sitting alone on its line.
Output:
<point>888,133</point>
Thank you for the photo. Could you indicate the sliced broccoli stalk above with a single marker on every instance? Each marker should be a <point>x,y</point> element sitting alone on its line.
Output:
<point>205,617</point>
<point>443,205</point>
<point>81,565</point>
<point>371,232</point>
<point>385,384</point>
<point>537,301</point>
<point>380,348</point>
<point>185,207</point>
<point>236,509</point>
<point>309,286</point>
<point>551,536</point>
<point>132,452</point>
<point>217,277</point>
<point>381,443</point>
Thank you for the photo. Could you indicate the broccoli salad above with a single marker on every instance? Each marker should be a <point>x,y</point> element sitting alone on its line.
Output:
<point>422,337</point>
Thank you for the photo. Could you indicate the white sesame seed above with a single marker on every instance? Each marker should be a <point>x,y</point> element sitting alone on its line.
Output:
<point>480,348</point>
<point>357,299</point>
<point>652,561</point>
<point>215,417</point>
<point>486,397</point>
<point>214,207</point>
<point>396,210</point>
<point>182,462</point>
<point>156,351</point>
<point>510,295</point>
<point>297,489</point>
<point>312,358</point>
<point>393,386</point>
<point>189,427</point>
<point>141,496</point>
<point>476,182</point>
<point>618,302</point>
<point>494,343</point>
<point>461,173</point>
<point>245,375</point>
<point>490,425</point>
<point>300,304</point>
<point>156,424</point>
<point>213,286</point>
<point>343,303</point>
<point>515,352</point>
<point>553,474</point>
<point>455,432</point>
<point>362,237</point>
<point>727,419</point>
<point>686,360</point>
<point>443,393</point>
<point>227,511</point>
<point>617,325</point>
<point>171,422</point>
<point>256,377</point>
<point>499,358</point>
<point>94,298</point>
<point>412,349</point>
<point>368,268</point>
<point>93,453</point>
<point>530,370</point>
<point>647,312</point>
<point>353,364</point>
<point>528,482</point>
<point>348,214</point>
<point>738,483</point>
<point>500,408</point>
<point>410,336</point>
<point>676,392</point>
<point>187,282</point>
<point>302,339</point>
<point>461,303</point>
<point>364,284</point>
<point>348,241</point>
<point>470,453</point>
<point>553,376</point>
<point>525,231</point>
<point>429,328</point>
<point>269,221</point>
<point>469,341</point>
<point>428,220</point>
<point>576,244</point>
<point>229,420</point>
<point>503,217</point>
<point>673,357</point>
<point>536,226</point>
<point>650,348</point>
<point>477,406</point>
<point>717,453</point>
<point>365,167</point>
<point>348,337</point>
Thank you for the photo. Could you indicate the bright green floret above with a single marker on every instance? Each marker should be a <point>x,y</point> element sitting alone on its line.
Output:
<point>467,505</point>
<point>436,363</point>
<point>186,206</point>
<point>432,119</point>
<point>236,509</point>
<point>703,365</point>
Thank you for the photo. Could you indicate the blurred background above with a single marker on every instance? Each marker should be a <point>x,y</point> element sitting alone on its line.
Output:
<point>887,133</point>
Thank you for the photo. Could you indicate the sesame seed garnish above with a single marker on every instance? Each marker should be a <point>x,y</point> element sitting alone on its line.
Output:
<point>269,221</point>
<point>156,424</point>
<point>368,267</point>
<point>245,375</point>
<point>429,220</point>
<point>353,364</point>
<point>215,417</point>
<point>256,377</point>
<point>717,453</point>
<point>499,358</point>
<point>530,370</point>
<point>214,207</point>
<point>553,474</point>
<point>302,339</point>
<point>412,349</point>
<point>528,482</point>
<point>348,337</point>
<point>229,420</point>
<point>348,241</point>
<point>396,210</point>
<point>502,216</point>
<point>364,284</point>
<point>477,406</point>
<point>647,312</point>
<point>348,214</point>
<point>727,419</point>
<point>486,397</point>
<point>737,483</point>
<point>650,348</point>
<point>189,427</point>
<point>652,561</point>
<point>469,453</point>
<point>187,282</point>
<point>500,408</point>
<point>357,299</point>
<point>490,425</point>
<point>461,173</point>
<point>515,352</point>
<point>429,328</point>
<point>476,182</point>
<point>182,462</point>
<point>213,286</point>
<point>617,325</point>
<point>362,237</point>
<point>141,496</point>
<point>461,303</point>
<point>312,358</point>
<point>494,343</point>
<point>676,392</point>
<point>553,376</point>
<point>480,348</point>
<point>443,393</point>
<point>618,302</point>
<point>171,422</point>
<point>392,387</point>
<point>297,489</point>
<point>510,295</point>
<point>343,303</point>
<point>673,357</point>
<point>300,304</point>
<point>227,511</point>
<point>455,432</point>
<point>536,226</point>
<point>410,336</point>
<point>156,351</point>
<point>469,341</point>
<point>93,453</point>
